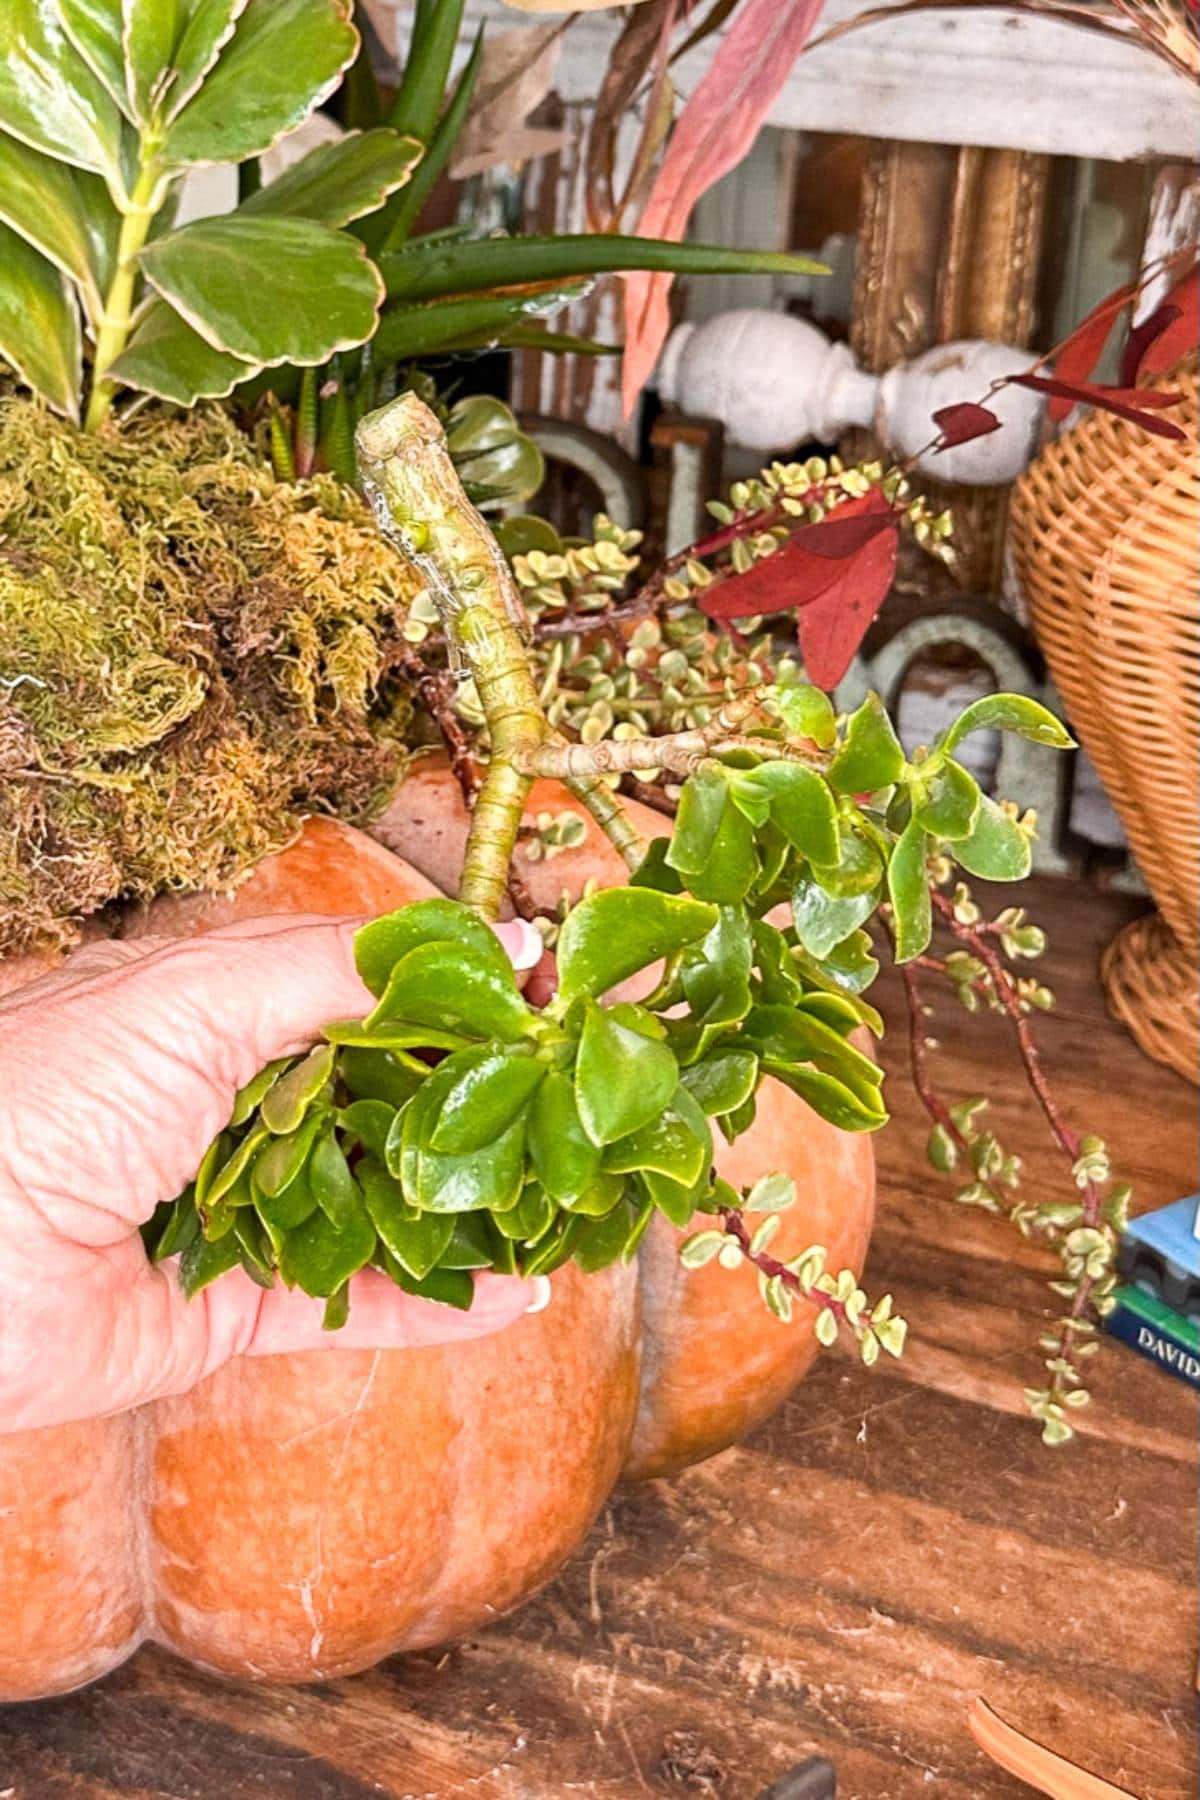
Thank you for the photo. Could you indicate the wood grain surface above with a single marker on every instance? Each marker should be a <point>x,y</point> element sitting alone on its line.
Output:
<point>891,1544</point>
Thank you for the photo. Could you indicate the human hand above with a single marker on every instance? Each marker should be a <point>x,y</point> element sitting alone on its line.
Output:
<point>116,1072</point>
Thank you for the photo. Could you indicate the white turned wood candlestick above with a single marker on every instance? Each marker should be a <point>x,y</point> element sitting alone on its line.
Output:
<point>775,381</point>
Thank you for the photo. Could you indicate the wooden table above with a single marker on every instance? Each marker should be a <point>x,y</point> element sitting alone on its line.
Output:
<point>891,1544</point>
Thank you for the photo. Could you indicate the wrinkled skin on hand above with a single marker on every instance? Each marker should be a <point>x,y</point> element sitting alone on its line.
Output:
<point>115,1074</point>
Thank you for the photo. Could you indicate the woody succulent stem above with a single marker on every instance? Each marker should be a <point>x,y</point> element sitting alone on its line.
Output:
<point>421,509</point>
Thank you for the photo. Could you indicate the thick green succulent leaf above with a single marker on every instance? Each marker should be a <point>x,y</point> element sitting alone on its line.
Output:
<point>842,1015</point>
<point>871,755</point>
<point>180,1225</point>
<point>220,273</point>
<point>677,1143</point>
<point>39,324</point>
<point>460,268</point>
<point>947,802</point>
<point>612,934</point>
<point>449,1287</point>
<point>722,1081</point>
<point>778,975</point>
<point>378,1075</point>
<point>48,204</point>
<point>203,1261</point>
<point>490,1087</point>
<point>282,1161</point>
<point>49,96</point>
<point>289,1207</point>
<point>802,807</point>
<point>849,965</point>
<point>996,849</point>
<point>288,1099</point>
<point>470,1245</point>
<point>368,1123</point>
<point>622,1079</point>
<point>716,978</point>
<point>338,182</point>
<point>319,1257</point>
<point>283,59</point>
<point>674,1199</point>
<point>784,1036</point>
<point>859,868</point>
<point>908,890</point>
<point>486,1180</point>
<point>1009,712</point>
<point>165,357</point>
<point>713,840</point>
<point>808,713</point>
<point>407,331</point>
<point>333,1186</point>
<point>529,1220</point>
<point>564,1157</point>
<point>824,920</point>
<point>417,1240</point>
<point>379,946</point>
<point>454,986</point>
<point>597,1243</point>
<point>831,1098</point>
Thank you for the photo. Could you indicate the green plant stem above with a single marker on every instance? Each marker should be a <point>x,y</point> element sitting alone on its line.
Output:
<point>421,508</point>
<point>114,321</point>
<point>611,817</point>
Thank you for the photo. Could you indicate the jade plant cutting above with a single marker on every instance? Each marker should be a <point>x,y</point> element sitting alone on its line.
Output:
<point>456,1126</point>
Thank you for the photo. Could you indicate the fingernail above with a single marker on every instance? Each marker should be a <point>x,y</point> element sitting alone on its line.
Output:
<point>541,1294</point>
<point>525,944</point>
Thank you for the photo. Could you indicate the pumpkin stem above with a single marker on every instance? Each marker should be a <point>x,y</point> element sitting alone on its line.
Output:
<point>421,508</point>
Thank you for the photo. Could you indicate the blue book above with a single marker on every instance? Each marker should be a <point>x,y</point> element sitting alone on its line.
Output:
<point>1166,1337</point>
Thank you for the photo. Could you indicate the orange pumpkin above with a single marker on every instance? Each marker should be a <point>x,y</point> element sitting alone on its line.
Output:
<point>300,1517</point>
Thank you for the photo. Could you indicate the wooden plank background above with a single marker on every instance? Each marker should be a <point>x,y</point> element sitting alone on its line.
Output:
<point>892,1543</point>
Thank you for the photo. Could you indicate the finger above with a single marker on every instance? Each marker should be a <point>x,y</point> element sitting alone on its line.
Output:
<point>115,1083</point>
<point>382,1317</point>
<point>138,1338</point>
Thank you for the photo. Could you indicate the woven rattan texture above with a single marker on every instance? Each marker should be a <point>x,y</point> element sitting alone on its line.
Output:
<point>1106,532</point>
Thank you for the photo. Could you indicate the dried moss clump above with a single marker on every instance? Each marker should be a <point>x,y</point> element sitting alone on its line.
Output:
<point>191,658</point>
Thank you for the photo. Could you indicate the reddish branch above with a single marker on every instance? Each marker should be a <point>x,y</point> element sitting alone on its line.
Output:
<point>771,1267</point>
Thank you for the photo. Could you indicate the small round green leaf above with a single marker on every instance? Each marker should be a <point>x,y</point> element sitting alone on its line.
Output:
<point>871,755</point>
<point>996,849</point>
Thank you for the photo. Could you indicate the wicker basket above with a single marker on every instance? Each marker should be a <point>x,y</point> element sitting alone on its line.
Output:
<point>1106,530</point>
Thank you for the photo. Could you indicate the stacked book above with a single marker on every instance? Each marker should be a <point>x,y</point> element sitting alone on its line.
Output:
<point>1157,1308</point>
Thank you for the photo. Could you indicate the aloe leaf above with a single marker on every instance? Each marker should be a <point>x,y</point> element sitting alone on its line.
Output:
<point>50,97</point>
<point>39,324</point>
<point>283,59</point>
<point>431,49</point>
<point>165,357</point>
<point>336,183</point>
<point>410,331</point>
<point>216,272</point>
<point>403,212</point>
<point>499,262</point>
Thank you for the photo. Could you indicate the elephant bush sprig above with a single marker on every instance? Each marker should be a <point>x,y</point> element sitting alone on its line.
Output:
<point>456,1126</point>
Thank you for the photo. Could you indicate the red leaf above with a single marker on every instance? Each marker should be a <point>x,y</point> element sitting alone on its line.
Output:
<point>960,423</point>
<point>1078,354</point>
<point>835,575</point>
<point>1136,404</point>
<point>715,130</point>
<point>1176,337</point>
<point>1140,338</point>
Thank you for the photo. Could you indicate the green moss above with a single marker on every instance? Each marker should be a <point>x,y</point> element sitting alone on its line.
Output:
<point>191,659</point>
